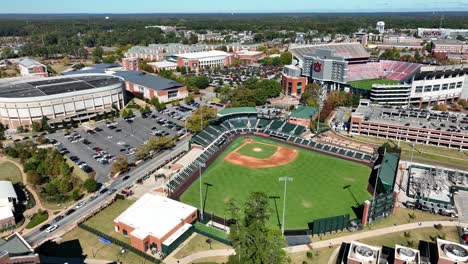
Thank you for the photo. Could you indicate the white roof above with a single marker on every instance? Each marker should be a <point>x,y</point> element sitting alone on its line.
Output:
<point>5,212</point>
<point>203,54</point>
<point>7,190</point>
<point>154,215</point>
<point>249,52</point>
<point>163,64</point>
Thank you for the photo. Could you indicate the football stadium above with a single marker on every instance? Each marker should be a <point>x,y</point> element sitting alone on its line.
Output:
<point>243,152</point>
<point>347,66</point>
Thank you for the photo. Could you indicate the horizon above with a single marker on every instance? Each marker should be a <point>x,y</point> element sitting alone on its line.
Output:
<point>238,7</point>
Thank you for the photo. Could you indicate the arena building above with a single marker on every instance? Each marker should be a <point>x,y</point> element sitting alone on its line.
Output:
<point>59,99</point>
<point>159,52</point>
<point>434,33</point>
<point>411,125</point>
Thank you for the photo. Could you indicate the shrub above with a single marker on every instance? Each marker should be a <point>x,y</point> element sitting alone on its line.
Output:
<point>407,234</point>
<point>438,226</point>
<point>410,243</point>
<point>310,254</point>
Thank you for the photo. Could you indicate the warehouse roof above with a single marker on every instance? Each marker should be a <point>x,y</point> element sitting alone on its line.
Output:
<point>154,215</point>
<point>237,110</point>
<point>304,112</point>
<point>51,86</point>
<point>149,80</point>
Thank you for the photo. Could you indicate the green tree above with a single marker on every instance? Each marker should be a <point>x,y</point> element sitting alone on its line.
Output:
<point>90,185</point>
<point>155,102</point>
<point>145,110</point>
<point>120,164</point>
<point>36,127</point>
<point>189,99</point>
<point>286,58</point>
<point>251,236</point>
<point>199,120</point>
<point>98,52</point>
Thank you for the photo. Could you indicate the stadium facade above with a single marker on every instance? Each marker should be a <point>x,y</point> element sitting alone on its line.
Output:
<point>338,65</point>
<point>58,98</point>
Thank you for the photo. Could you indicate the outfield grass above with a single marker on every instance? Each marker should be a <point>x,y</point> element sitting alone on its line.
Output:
<point>10,172</point>
<point>367,84</point>
<point>316,192</point>
<point>266,150</point>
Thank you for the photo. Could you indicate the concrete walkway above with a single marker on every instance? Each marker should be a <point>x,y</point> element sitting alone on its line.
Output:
<point>322,244</point>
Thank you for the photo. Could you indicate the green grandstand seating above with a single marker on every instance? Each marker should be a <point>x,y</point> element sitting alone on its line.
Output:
<point>276,125</point>
<point>262,123</point>
<point>288,128</point>
<point>299,130</point>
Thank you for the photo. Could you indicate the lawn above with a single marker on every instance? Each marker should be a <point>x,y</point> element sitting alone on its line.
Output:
<point>367,84</point>
<point>319,256</point>
<point>412,238</point>
<point>104,220</point>
<point>10,172</point>
<point>93,248</point>
<point>258,150</point>
<point>197,244</point>
<point>37,219</point>
<point>316,192</point>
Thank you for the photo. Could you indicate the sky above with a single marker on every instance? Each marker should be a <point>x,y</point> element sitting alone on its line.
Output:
<point>227,6</point>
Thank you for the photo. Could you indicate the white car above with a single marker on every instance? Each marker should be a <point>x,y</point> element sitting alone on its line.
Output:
<point>57,143</point>
<point>109,137</point>
<point>120,143</point>
<point>51,228</point>
<point>79,205</point>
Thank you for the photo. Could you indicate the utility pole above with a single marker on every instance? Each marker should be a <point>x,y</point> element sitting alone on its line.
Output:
<point>285,179</point>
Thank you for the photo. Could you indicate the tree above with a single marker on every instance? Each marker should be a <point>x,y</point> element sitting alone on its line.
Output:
<point>251,237</point>
<point>65,60</point>
<point>109,59</point>
<point>145,110</point>
<point>440,107</point>
<point>155,102</point>
<point>90,185</point>
<point>98,52</point>
<point>36,127</point>
<point>126,113</point>
<point>199,120</point>
<point>20,129</point>
<point>120,164</point>
<point>34,178</point>
<point>189,99</point>
<point>286,58</point>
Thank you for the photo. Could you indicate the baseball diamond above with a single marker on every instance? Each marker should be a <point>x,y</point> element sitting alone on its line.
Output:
<point>316,192</point>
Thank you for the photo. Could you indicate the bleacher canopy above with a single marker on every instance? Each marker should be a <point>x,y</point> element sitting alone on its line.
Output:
<point>237,110</point>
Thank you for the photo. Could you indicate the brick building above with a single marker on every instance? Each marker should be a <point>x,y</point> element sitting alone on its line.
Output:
<point>445,47</point>
<point>292,82</point>
<point>155,222</point>
<point>203,60</point>
<point>131,64</point>
<point>303,115</point>
<point>248,56</point>
<point>149,86</point>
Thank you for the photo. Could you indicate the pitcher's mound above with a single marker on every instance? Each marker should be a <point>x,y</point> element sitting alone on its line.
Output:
<point>257,149</point>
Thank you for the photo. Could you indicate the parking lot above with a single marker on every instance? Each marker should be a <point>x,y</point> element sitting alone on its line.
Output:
<point>93,147</point>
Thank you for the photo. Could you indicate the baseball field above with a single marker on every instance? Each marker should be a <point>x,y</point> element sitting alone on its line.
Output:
<point>255,164</point>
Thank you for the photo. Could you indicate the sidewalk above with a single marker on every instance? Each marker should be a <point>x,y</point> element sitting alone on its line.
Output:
<point>323,243</point>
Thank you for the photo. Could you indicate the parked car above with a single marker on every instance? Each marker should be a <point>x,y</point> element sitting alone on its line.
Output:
<point>51,228</point>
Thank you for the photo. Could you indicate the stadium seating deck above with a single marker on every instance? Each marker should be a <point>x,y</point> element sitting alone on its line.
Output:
<point>392,70</point>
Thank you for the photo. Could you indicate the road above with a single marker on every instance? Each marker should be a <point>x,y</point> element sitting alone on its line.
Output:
<point>37,237</point>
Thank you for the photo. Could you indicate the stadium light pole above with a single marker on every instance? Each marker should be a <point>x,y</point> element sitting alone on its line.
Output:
<point>200,165</point>
<point>285,179</point>
<point>378,172</point>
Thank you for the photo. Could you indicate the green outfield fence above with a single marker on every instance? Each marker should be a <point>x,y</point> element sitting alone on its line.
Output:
<point>212,233</point>
<point>329,224</point>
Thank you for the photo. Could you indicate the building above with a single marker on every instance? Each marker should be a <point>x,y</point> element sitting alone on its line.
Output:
<point>197,61</point>
<point>303,115</point>
<point>445,47</point>
<point>15,250</point>
<point>59,99</point>
<point>451,253</point>
<point>436,33</point>
<point>430,85</point>
<point>163,65</point>
<point>248,57</point>
<point>155,222</point>
<point>411,125</point>
<point>150,85</point>
<point>8,201</point>
<point>360,253</point>
<point>159,52</point>
<point>292,81</point>
<point>30,67</point>
<point>131,64</point>
<point>380,27</point>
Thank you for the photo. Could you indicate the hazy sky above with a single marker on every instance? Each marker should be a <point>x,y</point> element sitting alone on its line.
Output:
<point>215,6</point>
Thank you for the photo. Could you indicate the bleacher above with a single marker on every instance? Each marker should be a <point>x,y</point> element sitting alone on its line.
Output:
<point>392,70</point>
<point>276,125</point>
<point>288,128</point>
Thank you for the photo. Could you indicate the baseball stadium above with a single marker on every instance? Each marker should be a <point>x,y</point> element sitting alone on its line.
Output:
<point>244,153</point>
